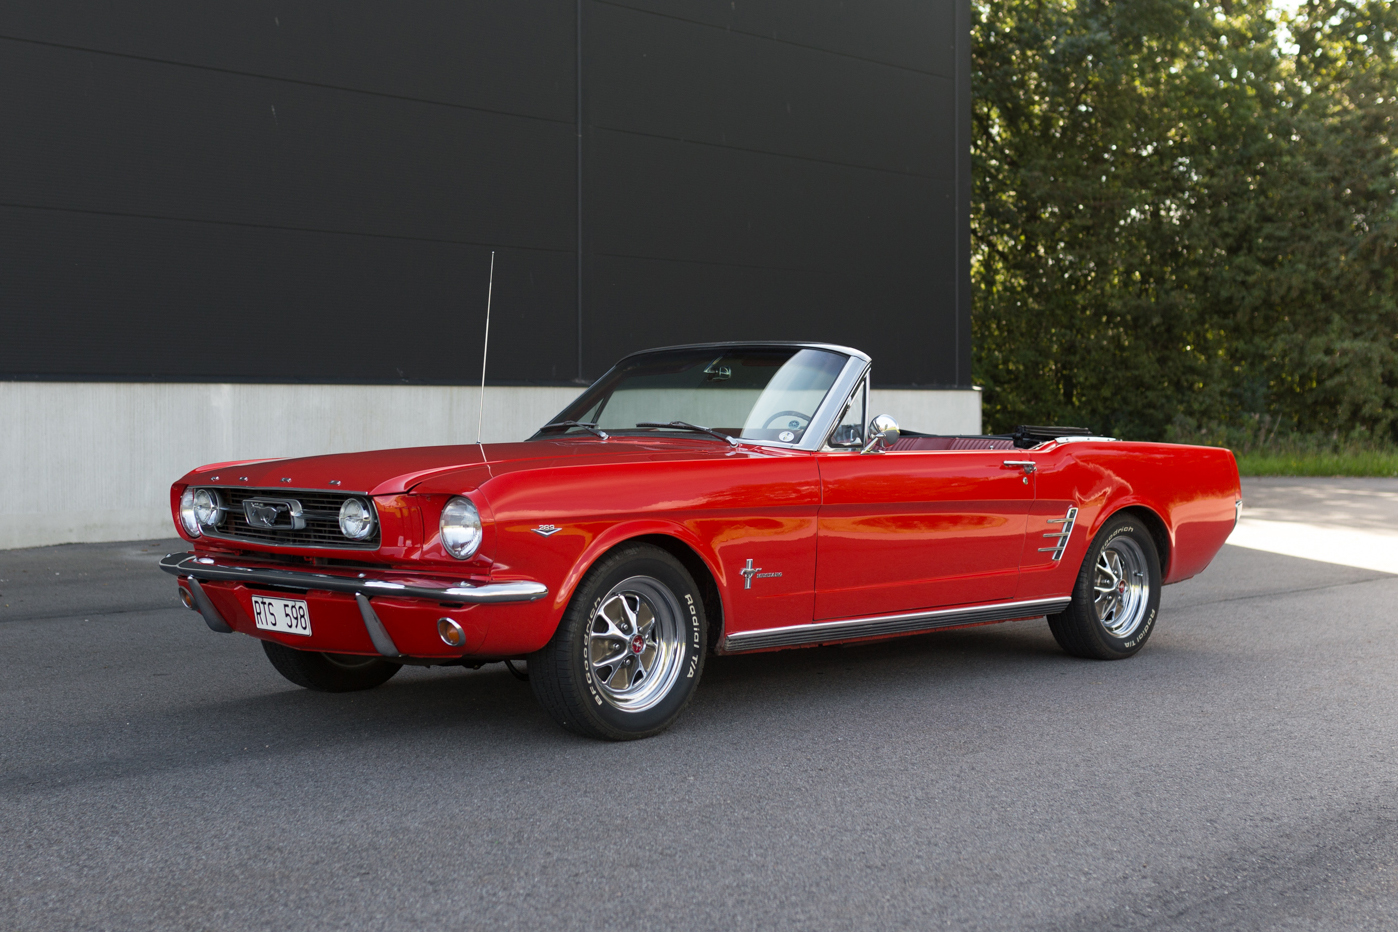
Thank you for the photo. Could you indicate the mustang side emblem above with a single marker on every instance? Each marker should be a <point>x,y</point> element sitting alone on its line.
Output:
<point>544,530</point>
<point>751,572</point>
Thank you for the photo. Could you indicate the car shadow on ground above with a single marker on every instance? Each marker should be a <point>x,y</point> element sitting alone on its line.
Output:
<point>490,716</point>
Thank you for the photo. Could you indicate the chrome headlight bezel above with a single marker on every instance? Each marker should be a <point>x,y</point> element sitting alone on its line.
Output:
<point>360,525</point>
<point>460,528</point>
<point>209,509</point>
<point>187,518</point>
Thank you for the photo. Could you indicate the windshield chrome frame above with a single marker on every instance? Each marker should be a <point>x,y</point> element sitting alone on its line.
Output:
<point>828,414</point>
<point>822,419</point>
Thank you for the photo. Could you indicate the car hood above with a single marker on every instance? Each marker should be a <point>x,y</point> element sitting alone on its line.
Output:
<point>456,468</point>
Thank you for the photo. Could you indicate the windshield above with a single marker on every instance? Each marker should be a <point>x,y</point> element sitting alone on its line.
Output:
<point>754,394</point>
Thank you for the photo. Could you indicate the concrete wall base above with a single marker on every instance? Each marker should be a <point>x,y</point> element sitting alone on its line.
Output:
<point>93,461</point>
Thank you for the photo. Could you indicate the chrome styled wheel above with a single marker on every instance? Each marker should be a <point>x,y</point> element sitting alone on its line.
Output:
<point>1121,587</point>
<point>1116,594</point>
<point>635,640</point>
<point>629,650</point>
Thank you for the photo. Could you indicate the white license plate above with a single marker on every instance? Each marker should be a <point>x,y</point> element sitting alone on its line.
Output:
<point>286,615</point>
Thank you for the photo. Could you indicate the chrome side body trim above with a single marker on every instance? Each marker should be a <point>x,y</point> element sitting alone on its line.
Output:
<point>850,629</point>
<point>186,564</point>
<point>206,608</point>
<point>377,633</point>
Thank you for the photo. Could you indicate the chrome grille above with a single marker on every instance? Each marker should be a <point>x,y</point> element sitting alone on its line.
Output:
<point>320,509</point>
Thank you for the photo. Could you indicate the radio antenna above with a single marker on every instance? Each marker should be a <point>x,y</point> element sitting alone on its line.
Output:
<point>489,291</point>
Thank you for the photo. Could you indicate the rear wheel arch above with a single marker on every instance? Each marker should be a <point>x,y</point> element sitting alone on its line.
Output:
<point>1116,595</point>
<point>1159,533</point>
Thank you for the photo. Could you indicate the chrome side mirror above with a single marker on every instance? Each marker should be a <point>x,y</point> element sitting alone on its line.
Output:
<point>883,433</point>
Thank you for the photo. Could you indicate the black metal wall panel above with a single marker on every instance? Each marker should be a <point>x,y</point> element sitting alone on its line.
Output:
<point>789,168</point>
<point>667,199</point>
<point>136,298</point>
<point>153,139</point>
<point>666,77</point>
<point>311,191</point>
<point>671,302</point>
<point>287,192</point>
<point>511,57</point>
<point>914,34</point>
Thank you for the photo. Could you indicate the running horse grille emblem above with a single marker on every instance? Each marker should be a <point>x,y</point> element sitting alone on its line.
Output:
<point>1067,521</point>
<point>274,514</point>
<point>751,572</point>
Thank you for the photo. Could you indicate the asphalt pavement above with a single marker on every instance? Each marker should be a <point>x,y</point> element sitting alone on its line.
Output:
<point>1239,773</point>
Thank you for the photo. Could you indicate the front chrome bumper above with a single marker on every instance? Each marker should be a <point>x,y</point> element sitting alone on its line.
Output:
<point>209,569</point>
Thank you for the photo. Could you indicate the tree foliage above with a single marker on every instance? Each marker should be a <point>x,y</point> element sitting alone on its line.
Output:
<point>1186,215</point>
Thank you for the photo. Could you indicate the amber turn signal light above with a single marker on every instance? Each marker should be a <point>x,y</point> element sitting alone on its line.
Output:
<point>451,633</point>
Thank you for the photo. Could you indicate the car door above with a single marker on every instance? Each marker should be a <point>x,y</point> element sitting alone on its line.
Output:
<point>908,530</point>
<point>1067,501</point>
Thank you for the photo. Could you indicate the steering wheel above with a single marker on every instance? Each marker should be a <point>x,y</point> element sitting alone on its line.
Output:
<point>768,423</point>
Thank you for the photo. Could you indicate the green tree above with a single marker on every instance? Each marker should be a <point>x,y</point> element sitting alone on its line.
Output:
<point>1185,215</point>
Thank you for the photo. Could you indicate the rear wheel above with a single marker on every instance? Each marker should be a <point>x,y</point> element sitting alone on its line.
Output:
<point>629,650</point>
<point>329,673</point>
<point>1116,596</point>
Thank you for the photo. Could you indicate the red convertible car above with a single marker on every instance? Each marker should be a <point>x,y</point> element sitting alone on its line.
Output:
<point>717,498</point>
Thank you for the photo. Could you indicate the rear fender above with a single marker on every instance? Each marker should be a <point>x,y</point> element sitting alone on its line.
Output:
<point>1160,530</point>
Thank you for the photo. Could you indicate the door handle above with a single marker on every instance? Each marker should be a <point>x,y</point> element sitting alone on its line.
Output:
<point>1027,465</point>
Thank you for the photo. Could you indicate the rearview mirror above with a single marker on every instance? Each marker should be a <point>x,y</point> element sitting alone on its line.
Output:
<point>883,433</point>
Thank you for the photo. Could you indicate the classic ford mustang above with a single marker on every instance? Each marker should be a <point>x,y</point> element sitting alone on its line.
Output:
<point>717,498</point>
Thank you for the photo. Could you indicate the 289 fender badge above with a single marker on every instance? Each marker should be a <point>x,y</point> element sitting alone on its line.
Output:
<point>545,530</point>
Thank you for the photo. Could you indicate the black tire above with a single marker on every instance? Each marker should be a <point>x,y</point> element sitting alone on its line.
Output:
<point>329,673</point>
<point>586,677</point>
<point>1110,618</point>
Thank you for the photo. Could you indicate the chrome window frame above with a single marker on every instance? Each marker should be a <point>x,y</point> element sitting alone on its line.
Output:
<point>860,384</point>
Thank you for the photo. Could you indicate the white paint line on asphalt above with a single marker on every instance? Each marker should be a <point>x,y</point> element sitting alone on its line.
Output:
<point>1368,550</point>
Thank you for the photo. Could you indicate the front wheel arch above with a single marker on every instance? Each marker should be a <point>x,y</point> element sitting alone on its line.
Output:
<point>699,569</point>
<point>659,626</point>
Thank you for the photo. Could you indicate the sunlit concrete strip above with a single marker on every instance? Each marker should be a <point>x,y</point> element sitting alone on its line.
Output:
<point>1365,549</point>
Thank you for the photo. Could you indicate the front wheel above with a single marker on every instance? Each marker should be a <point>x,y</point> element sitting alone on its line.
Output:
<point>329,673</point>
<point>1116,596</point>
<point>630,648</point>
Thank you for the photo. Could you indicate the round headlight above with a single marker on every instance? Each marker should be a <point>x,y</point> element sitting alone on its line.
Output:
<point>461,528</point>
<point>356,519</point>
<point>208,508</point>
<point>187,518</point>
